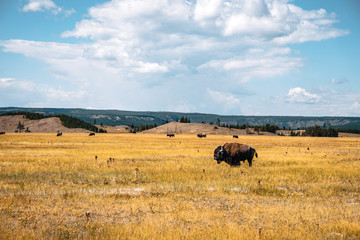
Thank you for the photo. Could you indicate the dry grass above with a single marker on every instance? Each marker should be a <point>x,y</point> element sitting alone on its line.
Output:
<point>171,188</point>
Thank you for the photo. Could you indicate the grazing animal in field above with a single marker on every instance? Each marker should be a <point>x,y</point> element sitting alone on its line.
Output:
<point>201,135</point>
<point>170,135</point>
<point>2,133</point>
<point>91,134</point>
<point>235,136</point>
<point>59,134</point>
<point>234,153</point>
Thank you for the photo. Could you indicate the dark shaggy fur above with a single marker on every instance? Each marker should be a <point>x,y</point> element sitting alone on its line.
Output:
<point>234,153</point>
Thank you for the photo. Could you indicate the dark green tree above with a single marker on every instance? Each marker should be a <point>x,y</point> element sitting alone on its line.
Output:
<point>217,122</point>
<point>20,126</point>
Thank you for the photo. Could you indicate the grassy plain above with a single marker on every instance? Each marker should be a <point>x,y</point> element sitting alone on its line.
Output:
<point>171,188</point>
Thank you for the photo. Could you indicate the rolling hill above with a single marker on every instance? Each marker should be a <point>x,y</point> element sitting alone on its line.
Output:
<point>52,124</point>
<point>136,118</point>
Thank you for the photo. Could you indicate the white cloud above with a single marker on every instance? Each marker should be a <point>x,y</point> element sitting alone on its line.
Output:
<point>182,107</point>
<point>39,94</point>
<point>207,9</point>
<point>315,25</point>
<point>224,101</point>
<point>338,81</point>
<point>5,82</point>
<point>301,95</point>
<point>150,68</point>
<point>54,94</point>
<point>144,48</point>
<point>41,5</point>
<point>16,84</point>
<point>355,107</point>
<point>258,63</point>
<point>46,5</point>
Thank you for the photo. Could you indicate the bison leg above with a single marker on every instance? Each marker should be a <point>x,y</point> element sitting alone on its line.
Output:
<point>252,152</point>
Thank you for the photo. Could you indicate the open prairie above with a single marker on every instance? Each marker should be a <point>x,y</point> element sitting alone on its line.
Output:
<point>155,187</point>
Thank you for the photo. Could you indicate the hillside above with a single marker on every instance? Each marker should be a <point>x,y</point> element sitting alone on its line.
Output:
<point>118,117</point>
<point>53,124</point>
<point>197,128</point>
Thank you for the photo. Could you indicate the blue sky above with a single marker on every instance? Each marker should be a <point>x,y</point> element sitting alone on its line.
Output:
<point>241,57</point>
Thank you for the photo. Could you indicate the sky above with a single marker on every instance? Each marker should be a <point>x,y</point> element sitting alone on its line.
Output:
<point>231,57</point>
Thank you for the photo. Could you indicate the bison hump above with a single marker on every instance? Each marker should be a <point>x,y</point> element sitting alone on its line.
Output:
<point>236,147</point>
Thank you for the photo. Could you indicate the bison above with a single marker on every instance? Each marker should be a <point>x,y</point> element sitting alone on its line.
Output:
<point>59,134</point>
<point>235,136</point>
<point>91,134</point>
<point>201,135</point>
<point>234,153</point>
<point>170,135</point>
<point>1,133</point>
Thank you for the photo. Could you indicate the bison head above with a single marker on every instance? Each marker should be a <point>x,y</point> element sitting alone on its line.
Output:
<point>220,154</point>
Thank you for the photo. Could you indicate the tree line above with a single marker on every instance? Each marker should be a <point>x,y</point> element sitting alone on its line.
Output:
<point>184,120</point>
<point>135,129</point>
<point>315,131</point>
<point>263,128</point>
<point>28,115</point>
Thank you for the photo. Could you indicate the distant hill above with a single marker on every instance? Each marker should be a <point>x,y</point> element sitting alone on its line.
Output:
<point>136,118</point>
<point>198,128</point>
<point>52,124</point>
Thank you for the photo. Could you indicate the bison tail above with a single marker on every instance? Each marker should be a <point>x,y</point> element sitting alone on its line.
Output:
<point>256,154</point>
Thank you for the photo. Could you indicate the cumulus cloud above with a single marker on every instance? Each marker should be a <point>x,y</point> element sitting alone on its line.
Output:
<point>149,36</point>
<point>207,9</point>
<point>45,5</point>
<point>224,101</point>
<point>157,44</point>
<point>301,95</point>
<point>258,63</point>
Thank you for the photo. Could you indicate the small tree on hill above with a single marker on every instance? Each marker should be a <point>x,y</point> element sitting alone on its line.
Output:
<point>20,126</point>
<point>217,122</point>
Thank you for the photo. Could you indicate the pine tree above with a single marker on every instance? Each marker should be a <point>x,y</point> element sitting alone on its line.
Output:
<point>218,122</point>
<point>20,126</point>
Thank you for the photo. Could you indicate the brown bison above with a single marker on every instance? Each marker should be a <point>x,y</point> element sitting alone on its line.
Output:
<point>170,135</point>
<point>91,134</point>
<point>234,153</point>
<point>201,135</point>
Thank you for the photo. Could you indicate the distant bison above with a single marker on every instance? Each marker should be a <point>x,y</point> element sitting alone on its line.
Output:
<point>201,135</point>
<point>91,134</point>
<point>59,134</point>
<point>234,153</point>
<point>235,136</point>
<point>1,133</point>
<point>170,135</point>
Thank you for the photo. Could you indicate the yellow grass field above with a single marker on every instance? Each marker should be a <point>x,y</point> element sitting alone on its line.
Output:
<point>172,188</point>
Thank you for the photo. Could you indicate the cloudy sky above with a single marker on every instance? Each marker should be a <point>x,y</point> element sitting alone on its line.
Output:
<point>242,57</point>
